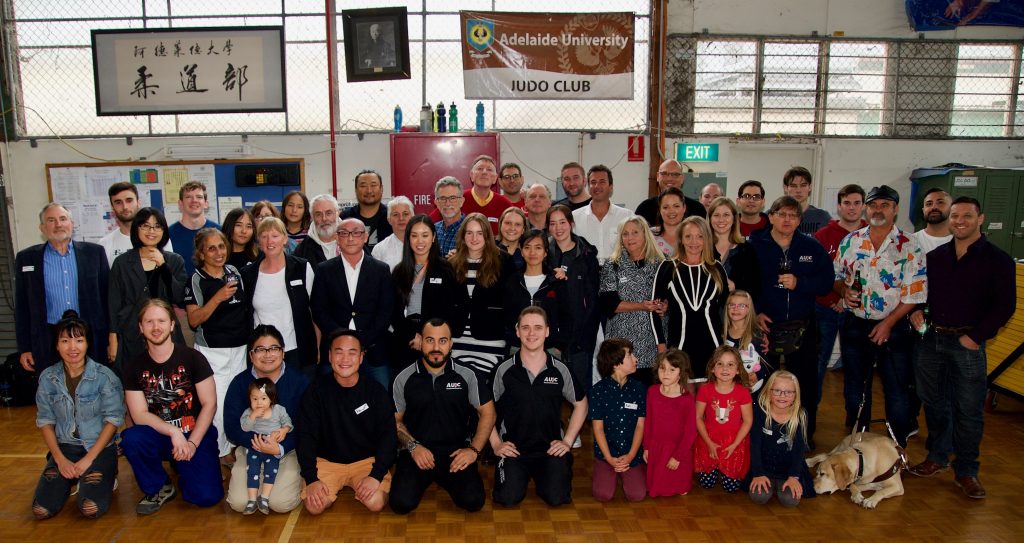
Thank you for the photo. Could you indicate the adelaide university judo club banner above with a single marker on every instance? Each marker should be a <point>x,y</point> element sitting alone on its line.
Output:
<point>547,56</point>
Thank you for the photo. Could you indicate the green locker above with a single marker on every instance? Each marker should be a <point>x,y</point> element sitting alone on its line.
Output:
<point>999,191</point>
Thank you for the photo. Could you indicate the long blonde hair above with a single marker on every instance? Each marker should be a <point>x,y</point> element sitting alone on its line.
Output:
<point>734,233</point>
<point>652,254</point>
<point>797,421</point>
<point>707,254</point>
<point>748,322</point>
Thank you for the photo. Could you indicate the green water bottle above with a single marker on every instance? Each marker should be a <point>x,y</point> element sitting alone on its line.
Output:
<point>453,119</point>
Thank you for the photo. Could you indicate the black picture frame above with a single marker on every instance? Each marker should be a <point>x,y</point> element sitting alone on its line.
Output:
<point>376,44</point>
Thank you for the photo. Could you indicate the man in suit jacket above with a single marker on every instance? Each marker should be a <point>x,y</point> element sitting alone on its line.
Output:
<point>354,291</point>
<point>51,278</point>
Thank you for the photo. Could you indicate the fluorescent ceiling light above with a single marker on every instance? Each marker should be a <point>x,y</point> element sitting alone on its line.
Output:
<point>207,151</point>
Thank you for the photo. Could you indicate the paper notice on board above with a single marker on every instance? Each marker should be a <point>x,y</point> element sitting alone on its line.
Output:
<point>203,173</point>
<point>67,184</point>
<point>226,204</point>
<point>98,180</point>
<point>174,178</point>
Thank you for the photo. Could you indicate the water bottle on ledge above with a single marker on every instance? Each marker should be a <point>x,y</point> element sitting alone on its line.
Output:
<point>479,116</point>
<point>398,119</point>
<point>453,119</point>
<point>442,123</point>
<point>426,119</point>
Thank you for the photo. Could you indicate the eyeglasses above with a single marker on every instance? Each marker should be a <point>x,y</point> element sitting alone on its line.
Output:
<point>263,350</point>
<point>754,197</point>
<point>790,216</point>
<point>344,234</point>
<point>783,393</point>
<point>151,227</point>
<point>670,174</point>
<point>738,306</point>
<point>448,199</point>
<point>510,177</point>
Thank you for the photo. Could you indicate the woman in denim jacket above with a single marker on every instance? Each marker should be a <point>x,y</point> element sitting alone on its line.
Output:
<point>80,404</point>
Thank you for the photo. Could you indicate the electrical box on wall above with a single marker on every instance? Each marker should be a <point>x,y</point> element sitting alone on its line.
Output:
<point>255,175</point>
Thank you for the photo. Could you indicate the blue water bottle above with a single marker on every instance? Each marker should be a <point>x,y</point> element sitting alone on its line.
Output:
<point>479,116</point>
<point>398,119</point>
<point>442,126</point>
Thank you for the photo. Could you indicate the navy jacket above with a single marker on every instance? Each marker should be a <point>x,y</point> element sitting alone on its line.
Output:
<point>811,265</point>
<point>290,387</point>
<point>32,330</point>
<point>333,308</point>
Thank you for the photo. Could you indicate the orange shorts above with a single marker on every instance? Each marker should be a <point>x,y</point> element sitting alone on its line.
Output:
<point>338,476</point>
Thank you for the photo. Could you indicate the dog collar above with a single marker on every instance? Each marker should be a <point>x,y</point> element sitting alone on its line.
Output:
<point>887,474</point>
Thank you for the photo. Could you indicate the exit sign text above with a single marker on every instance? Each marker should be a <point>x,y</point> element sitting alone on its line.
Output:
<point>697,152</point>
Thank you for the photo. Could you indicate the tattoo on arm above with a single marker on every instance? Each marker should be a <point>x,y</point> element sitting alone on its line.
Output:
<point>404,437</point>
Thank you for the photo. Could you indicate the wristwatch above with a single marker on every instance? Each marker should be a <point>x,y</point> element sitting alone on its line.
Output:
<point>411,446</point>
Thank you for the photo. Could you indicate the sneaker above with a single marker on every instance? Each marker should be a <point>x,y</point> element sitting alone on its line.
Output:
<point>250,507</point>
<point>152,503</point>
<point>263,504</point>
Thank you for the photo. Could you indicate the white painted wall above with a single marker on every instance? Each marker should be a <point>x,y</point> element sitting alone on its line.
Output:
<point>835,162</point>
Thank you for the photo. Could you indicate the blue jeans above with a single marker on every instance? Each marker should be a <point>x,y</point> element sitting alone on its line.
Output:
<point>860,355</point>
<point>199,478</point>
<point>829,324</point>
<point>952,383</point>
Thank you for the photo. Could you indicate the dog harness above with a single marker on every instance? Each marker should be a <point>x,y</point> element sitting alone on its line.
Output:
<point>897,466</point>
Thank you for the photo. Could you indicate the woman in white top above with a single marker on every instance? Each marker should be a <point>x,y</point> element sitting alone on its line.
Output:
<point>389,250</point>
<point>277,286</point>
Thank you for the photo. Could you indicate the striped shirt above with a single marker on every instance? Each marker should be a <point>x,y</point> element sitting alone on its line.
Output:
<point>481,355</point>
<point>60,278</point>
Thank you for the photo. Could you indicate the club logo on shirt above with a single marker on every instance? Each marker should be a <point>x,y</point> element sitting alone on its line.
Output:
<point>454,386</point>
<point>551,381</point>
<point>806,258</point>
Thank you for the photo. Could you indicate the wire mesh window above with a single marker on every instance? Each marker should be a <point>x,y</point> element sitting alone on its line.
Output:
<point>51,80</point>
<point>838,87</point>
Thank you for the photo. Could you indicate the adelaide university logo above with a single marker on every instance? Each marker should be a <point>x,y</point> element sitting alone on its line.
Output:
<point>479,33</point>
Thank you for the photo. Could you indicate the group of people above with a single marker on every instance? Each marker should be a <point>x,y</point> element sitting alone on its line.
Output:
<point>383,350</point>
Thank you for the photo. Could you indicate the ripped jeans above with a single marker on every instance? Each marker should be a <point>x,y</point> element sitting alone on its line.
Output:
<point>95,488</point>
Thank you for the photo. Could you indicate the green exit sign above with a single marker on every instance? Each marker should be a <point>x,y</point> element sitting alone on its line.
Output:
<point>697,152</point>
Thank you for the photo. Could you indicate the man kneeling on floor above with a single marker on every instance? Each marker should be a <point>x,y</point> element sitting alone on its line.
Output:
<point>436,398</point>
<point>171,397</point>
<point>529,389</point>
<point>347,433</point>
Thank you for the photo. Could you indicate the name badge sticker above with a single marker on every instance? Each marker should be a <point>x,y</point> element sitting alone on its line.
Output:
<point>362,408</point>
<point>28,268</point>
<point>630,405</point>
<point>435,280</point>
<point>295,282</point>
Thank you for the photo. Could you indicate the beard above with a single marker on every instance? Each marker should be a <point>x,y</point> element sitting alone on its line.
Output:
<point>430,361</point>
<point>936,217</point>
<point>878,220</point>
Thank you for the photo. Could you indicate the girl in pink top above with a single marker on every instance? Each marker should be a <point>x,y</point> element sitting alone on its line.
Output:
<point>669,427</point>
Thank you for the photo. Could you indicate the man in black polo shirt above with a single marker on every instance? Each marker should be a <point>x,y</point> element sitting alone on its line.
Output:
<point>436,400</point>
<point>529,389</point>
<point>970,297</point>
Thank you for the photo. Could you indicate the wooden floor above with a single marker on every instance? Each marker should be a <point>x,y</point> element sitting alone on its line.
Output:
<point>931,510</point>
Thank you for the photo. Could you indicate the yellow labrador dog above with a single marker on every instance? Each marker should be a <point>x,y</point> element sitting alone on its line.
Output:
<point>861,462</point>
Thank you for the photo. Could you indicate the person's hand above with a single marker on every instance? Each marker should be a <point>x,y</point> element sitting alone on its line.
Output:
<point>152,254</point>
<point>83,465</point>
<point>367,488</point>
<point>278,435</point>
<point>880,333</point>
<point>969,343</point>
<point>423,457</point>
<point>226,292</point>
<point>507,449</point>
<point>763,321</point>
<point>728,450</point>
<point>760,484</point>
<point>66,467</point>
<point>317,496</point>
<point>181,448</point>
<point>838,307</point>
<point>27,362</point>
<point>662,348</point>
<point>559,447</point>
<point>112,349</point>
<point>712,449</point>
<point>852,297</point>
<point>732,285</point>
<point>787,281</point>
<point>645,456</point>
<point>793,484</point>
<point>461,459</point>
<point>560,274</point>
<point>917,319</point>
<point>673,464</point>
<point>265,445</point>
<point>662,307</point>
<point>415,343</point>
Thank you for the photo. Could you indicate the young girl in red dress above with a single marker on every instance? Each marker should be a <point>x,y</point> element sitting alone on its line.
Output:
<point>670,427</point>
<point>724,417</point>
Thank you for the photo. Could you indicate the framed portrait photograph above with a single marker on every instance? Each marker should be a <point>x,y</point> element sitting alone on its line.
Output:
<point>376,44</point>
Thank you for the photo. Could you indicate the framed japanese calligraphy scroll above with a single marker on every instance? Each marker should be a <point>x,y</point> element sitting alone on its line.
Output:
<point>189,70</point>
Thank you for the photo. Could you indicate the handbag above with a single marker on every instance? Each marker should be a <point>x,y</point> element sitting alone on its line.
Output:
<point>786,337</point>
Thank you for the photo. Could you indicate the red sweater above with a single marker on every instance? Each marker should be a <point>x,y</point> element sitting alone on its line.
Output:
<point>492,210</point>
<point>829,237</point>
